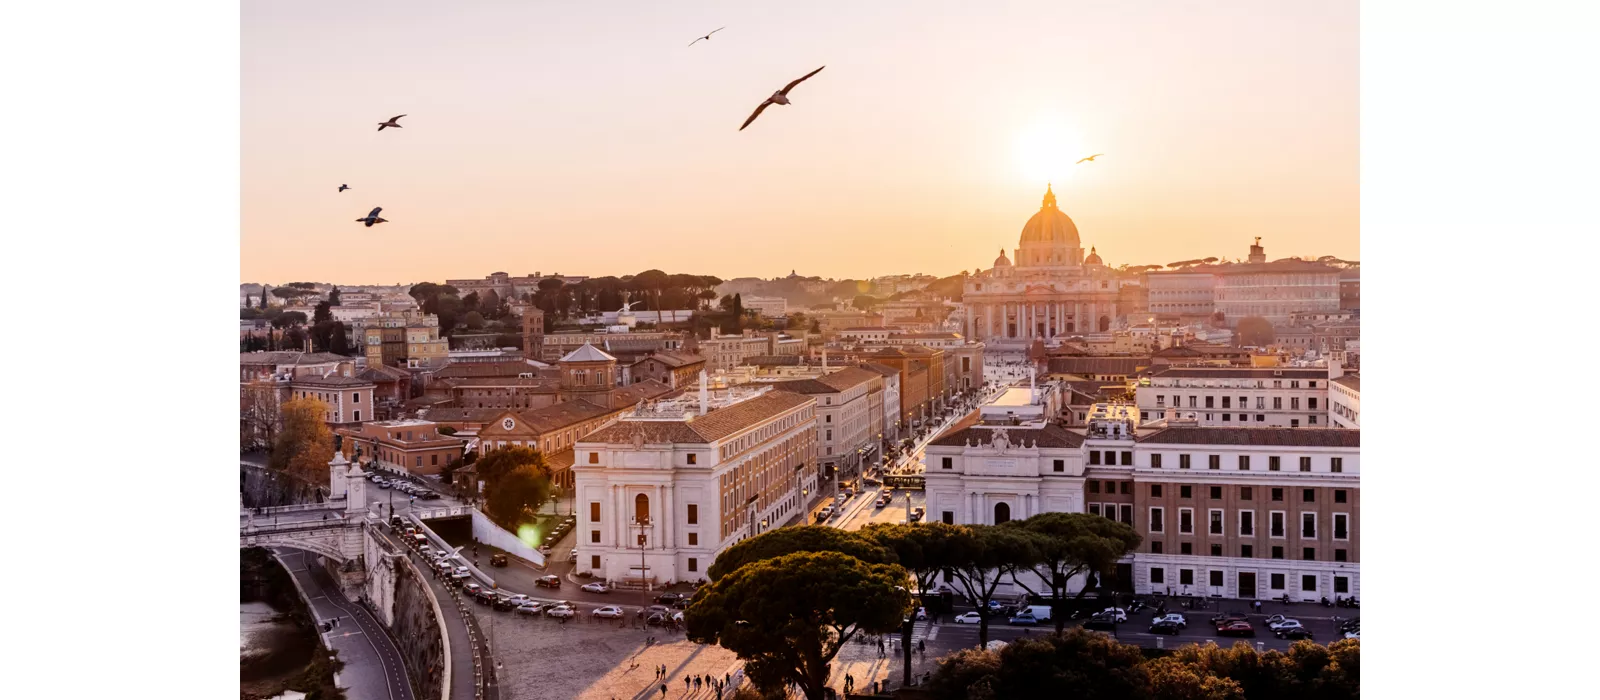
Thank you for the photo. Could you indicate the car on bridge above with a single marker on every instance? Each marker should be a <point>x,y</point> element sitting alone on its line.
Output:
<point>548,581</point>
<point>610,611</point>
<point>596,587</point>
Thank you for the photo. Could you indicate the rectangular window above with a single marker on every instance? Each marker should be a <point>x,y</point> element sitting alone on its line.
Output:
<point>1341,526</point>
<point>1127,488</point>
<point>694,564</point>
<point>1277,582</point>
<point>1186,491</point>
<point>1155,490</point>
<point>1305,464</point>
<point>435,457</point>
<point>1186,577</point>
<point>1111,457</point>
<point>1246,551</point>
<point>1214,461</point>
<point>1157,520</point>
<point>1261,418</point>
<point>1094,508</point>
<point>1191,402</point>
<point>594,562</point>
<point>1294,403</point>
<point>594,537</point>
<point>1341,555</point>
<point>1311,404</point>
<point>1155,546</point>
<point>1216,521</point>
<point>1216,492</point>
<point>1277,494</point>
<point>1309,554</point>
<point>1308,525</point>
<point>694,514</point>
<point>1244,463</point>
<point>1216,550</point>
<point>594,457</point>
<point>1227,402</point>
<point>1246,493</point>
<point>694,539</point>
<point>830,435</point>
<point>1308,495</point>
<point>1338,495</point>
<point>949,517</point>
<point>1111,487</point>
<point>1094,487</point>
<point>1161,400</point>
<point>1308,582</point>
<point>1059,465</point>
<point>1185,520</point>
<point>1274,463</point>
<point>1341,584</point>
<point>691,457</point>
<point>1247,523</point>
<point>1094,456</point>
<point>1127,458</point>
<point>1158,575</point>
<point>594,511</point>
<point>1183,461</point>
<point>1216,578</point>
<point>1185,548</point>
<point>1277,403</point>
<point>1336,464</point>
<point>1275,523</point>
<point>1210,403</point>
<point>1261,404</point>
<point>1155,461</point>
<point>1244,402</point>
<point>1277,552</point>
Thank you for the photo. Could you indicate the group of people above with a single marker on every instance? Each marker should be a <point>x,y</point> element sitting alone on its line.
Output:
<point>696,682</point>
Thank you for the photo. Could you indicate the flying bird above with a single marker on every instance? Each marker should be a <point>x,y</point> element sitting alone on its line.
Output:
<point>780,97</point>
<point>706,37</point>
<point>372,218</point>
<point>1090,158</point>
<point>391,122</point>
<point>343,187</point>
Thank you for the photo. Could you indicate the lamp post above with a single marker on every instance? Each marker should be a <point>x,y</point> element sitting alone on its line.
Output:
<point>644,587</point>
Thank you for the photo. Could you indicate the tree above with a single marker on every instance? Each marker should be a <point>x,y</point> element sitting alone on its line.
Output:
<point>1174,680</point>
<point>738,313</point>
<point>1082,665</point>
<point>864,302</point>
<point>323,312</point>
<point>1068,545</point>
<point>509,495</point>
<point>816,326</point>
<point>292,292</point>
<point>508,459</point>
<point>489,304</point>
<point>339,339</point>
<point>474,320</point>
<point>287,319</point>
<point>804,538</point>
<point>304,445</point>
<point>706,296</point>
<point>978,558</point>
<point>788,617</point>
<point>333,296</point>
<point>1308,670</point>
<point>1256,331</point>
<point>264,289</point>
<point>469,302</point>
<point>919,549</point>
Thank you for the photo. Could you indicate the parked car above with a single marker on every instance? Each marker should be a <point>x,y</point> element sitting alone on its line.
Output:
<point>529,609</point>
<point>484,596</point>
<point>658,610</point>
<point>825,513</point>
<point>1236,628</point>
<point>549,581</point>
<point>573,554</point>
<point>1023,619</point>
<point>1165,626</point>
<point>504,602</point>
<point>1353,634</point>
<point>1292,633</point>
<point>1174,618</point>
<point>429,496</point>
<point>921,614</point>
<point>1100,621</point>
<point>561,611</point>
<point>499,559</point>
<point>656,620</point>
<point>970,618</point>
<point>596,587</point>
<point>609,611</point>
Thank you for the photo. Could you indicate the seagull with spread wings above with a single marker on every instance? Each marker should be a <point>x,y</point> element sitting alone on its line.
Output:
<point>372,218</point>
<point>343,187</point>
<point>780,97</point>
<point>392,122</point>
<point>1090,158</point>
<point>706,37</point>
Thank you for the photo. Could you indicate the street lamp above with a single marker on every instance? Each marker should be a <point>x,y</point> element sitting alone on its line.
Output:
<point>644,586</point>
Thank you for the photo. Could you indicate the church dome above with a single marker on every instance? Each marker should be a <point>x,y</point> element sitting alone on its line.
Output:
<point>1093,259</point>
<point>1002,261</point>
<point>1050,225</point>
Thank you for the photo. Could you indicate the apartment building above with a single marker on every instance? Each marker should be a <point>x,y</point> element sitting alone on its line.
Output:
<point>413,445</point>
<point>845,435</point>
<point>1291,397</point>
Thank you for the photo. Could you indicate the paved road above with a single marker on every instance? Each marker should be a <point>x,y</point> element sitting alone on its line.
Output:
<point>463,683</point>
<point>373,668</point>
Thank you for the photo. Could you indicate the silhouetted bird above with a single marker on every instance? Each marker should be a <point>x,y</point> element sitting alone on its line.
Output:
<point>392,122</point>
<point>780,97</point>
<point>706,37</point>
<point>1090,158</point>
<point>343,187</point>
<point>372,218</point>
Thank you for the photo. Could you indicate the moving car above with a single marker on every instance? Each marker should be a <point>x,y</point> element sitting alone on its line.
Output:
<point>1221,619</point>
<point>1118,613</point>
<point>669,598</point>
<point>484,596</point>
<point>1100,621</point>
<point>561,611</point>
<point>1165,626</point>
<point>1174,618</point>
<point>1236,628</point>
<point>658,610</point>
<point>609,611</point>
<point>825,513</point>
<point>596,587</point>
<point>1025,618</point>
<point>1292,633</point>
<point>504,602</point>
<point>550,581</point>
<point>529,609</point>
<point>462,572</point>
<point>1284,625</point>
<point>499,559</point>
<point>472,588</point>
<point>520,599</point>
<point>970,618</point>
<point>656,620</point>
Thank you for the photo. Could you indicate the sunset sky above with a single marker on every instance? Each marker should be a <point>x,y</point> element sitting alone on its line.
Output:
<point>585,138</point>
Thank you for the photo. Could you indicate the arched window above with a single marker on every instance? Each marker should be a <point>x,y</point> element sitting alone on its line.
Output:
<point>1002,513</point>
<point>641,508</point>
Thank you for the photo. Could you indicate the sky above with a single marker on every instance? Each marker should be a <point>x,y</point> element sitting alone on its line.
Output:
<point>587,138</point>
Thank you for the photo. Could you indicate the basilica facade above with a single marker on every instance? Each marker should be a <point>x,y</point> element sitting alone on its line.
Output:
<point>1051,291</point>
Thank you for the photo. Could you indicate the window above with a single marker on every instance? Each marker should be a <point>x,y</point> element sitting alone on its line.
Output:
<point>949,517</point>
<point>1094,508</point>
<point>694,539</point>
<point>1305,464</point>
<point>641,508</point>
<point>1341,555</point>
<point>1336,464</point>
<point>594,537</point>
<point>694,564</point>
<point>1216,578</point>
<point>1214,461</point>
<point>1185,520</point>
<point>594,511</point>
<point>1157,521</point>
<point>1341,526</point>
<point>1127,458</point>
<point>1311,404</point>
<point>1094,456</point>
<point>1313,420</point>
<point>1308,495</point>
<point>1209,402</point>
<point>1277,494</point>
<point>1186,577</point>
<point>594,457</point>
<point>1216,492</point>
<point>1341,584</point>
<point>1186,491</point>
<point>1158,575</point>
<point>1277,582</point>
<point>1127,488</point>
<point>1275,523</point>
<point>1185,548</point>
<point>1261,404</point>
<point>1308,524</point>
<point>1111,487</point>
<point>1161,400</point>
<point>1111,457</point>
<point>1247,523</point>
<point>1155,461</point>
<point>1183,461</point>
<point>946,462</point>
<point>1127,513</point>
<point>358,414</point>
<point>1294,403</point>
<point>1274,463</point>
<point>1260,418</point>
<point>1191,402</point>
<point>1277,403</point>
<point>1060,465</point>
<point>594,562</point>
<point>1094,486</point>
<point>1244,463</point>
<point>356,398</point>
<point>828,418</point>
<point>691,458</point>
<point>1246,551</point>
<point>1308,582</point>
<point>1216,521</point>
<point>1277,552</point>
<point>1155,546</point>
<point>1227,402</point>
<point>1309,554</point>
<point>435,457</point>
<point>1338,495</point>
<point>1246,493</point>
<point>694,514</point>
<point>830,435</point>
<point>1216,550</point>
<point>1002,513</point>
<point>1244,402</point>
<point>1155,490</point>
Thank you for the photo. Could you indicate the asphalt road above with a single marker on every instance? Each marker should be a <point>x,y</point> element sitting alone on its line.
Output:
<point>373,668</point>
<point>463,685</point>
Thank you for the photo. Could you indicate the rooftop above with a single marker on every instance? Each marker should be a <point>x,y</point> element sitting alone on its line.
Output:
<point>1241,372</point>
<point>1255,437</point>
<point>1051,435</point>
<point>588,353</point>
<point>290,357</point>
<point>332,380</point>
<point>1350,381</point>
<point>734,410</point>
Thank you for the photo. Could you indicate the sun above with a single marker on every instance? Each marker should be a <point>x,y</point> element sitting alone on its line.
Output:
<point>1047,151</point>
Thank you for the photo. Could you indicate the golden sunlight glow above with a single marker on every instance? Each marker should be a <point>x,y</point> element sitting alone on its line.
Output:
<point>1048,150</point>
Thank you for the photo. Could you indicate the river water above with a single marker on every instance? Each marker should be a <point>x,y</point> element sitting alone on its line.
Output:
<point>273,648</point>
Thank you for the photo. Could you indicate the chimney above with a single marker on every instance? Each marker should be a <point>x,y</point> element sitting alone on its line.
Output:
<point>705,393</point>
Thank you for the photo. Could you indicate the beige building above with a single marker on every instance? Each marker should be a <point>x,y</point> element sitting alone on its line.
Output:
<point>1290,397</point>
<point>413,445</point>
<point>845,420</point>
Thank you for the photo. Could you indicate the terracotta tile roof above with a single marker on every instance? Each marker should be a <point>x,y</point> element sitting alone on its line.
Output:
<point>451,414</point>
<point>381,373</point>
<point>1097,365</point>
<point>1049,436</point>
<point>624,396</point>
<point>891,351</point>
<point>1242,372</point>
<point>774,360</point>
<point>533,384</point>
<point>561,415</point>
<point>831,383</point>
<point>290,357</point>
<point>1352,381</point>
<point>509,368</point>
<point>673,359</point>
<point>884,370</point>
<point>560,461</point>
<point>588,353</point>
<point>335,381</point>
<point>704,429</point>
<point>1293,437</point>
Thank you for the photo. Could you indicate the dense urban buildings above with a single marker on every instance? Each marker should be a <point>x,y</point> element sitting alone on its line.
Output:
<point>1289,397</point>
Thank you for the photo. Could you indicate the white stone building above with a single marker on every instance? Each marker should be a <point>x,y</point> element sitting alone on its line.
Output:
<point>1250,396</point>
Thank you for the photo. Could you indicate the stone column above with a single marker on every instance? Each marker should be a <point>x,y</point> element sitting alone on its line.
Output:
<point>1077,316</point>
<point>968,328</point>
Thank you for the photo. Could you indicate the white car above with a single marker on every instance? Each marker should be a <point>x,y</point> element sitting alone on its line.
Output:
<point>1283,624</point>
<point>1273,621</point>
<point>462,572</point>
<point>520,599</point>
<point>1174,618</point>
<point>970,618</point>
<point>596,587</point>
<point>610,611</point>
<point>561,611</point>
<point>922,614</point>
<point>1353,634</point>
<point>530,609</point>
<point>1118,613</point>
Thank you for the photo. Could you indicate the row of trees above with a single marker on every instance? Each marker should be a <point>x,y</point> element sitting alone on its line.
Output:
<point>767,603</point>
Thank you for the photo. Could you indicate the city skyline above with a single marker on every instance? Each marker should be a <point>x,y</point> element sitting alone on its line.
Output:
<point>924,147</point>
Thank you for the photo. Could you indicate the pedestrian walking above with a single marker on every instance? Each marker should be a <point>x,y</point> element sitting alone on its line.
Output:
<point>663,690</point>
<point>685,684</point>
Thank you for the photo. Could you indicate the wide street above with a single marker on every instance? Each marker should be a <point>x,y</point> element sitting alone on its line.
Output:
<point>373,669</point>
